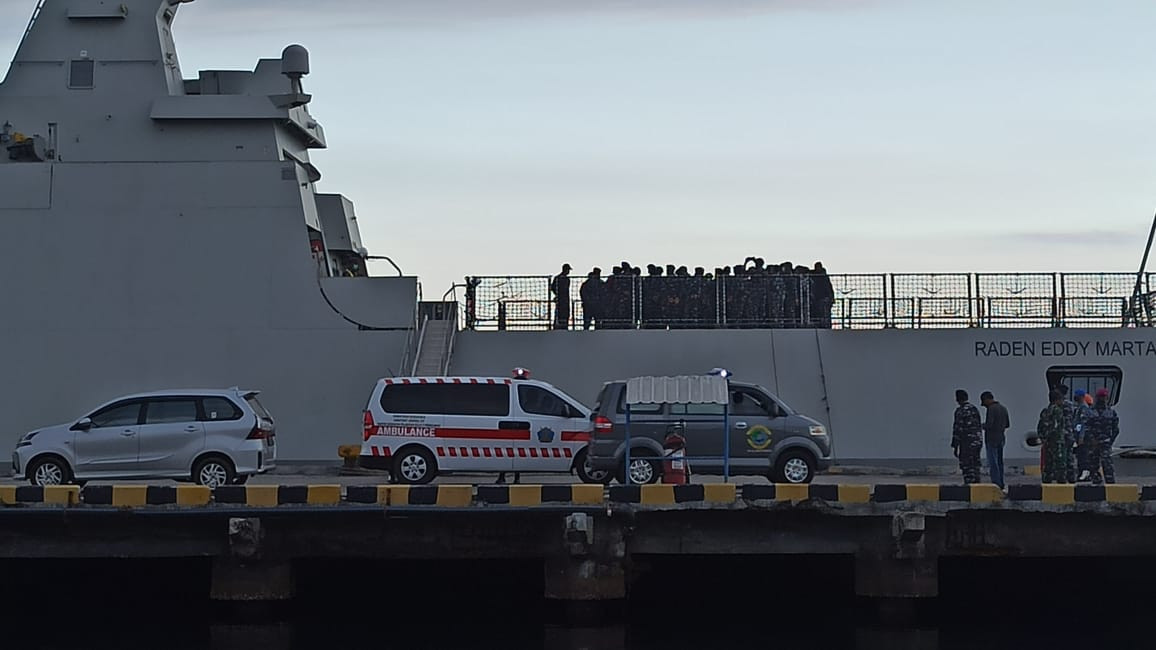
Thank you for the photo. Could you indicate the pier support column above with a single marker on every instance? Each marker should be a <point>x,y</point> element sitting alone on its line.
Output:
<point>901,573</point>
<point>256,582</point>
<point>589,574</point>
<point>243,575</point>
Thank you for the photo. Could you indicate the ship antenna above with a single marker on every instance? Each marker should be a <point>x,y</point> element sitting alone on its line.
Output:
<point>1137,297</point>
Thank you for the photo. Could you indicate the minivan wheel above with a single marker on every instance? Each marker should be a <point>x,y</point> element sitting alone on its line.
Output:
<point>415,466</point>
<point>586,473</point>
<point>213,472</point>
<point>794,467</point>
<point>643,471</point>
<point>49,471</point>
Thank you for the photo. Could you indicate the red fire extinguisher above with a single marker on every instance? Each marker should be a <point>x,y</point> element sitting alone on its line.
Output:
<point>675,468</point>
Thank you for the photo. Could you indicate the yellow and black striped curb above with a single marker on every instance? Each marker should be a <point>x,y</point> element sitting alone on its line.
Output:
<point>137,496</point>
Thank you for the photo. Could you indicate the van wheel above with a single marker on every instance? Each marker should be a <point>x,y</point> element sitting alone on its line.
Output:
<point>643,470</point>
<point>586,473</point>
<point>414,466</point>
<point>794,467</point>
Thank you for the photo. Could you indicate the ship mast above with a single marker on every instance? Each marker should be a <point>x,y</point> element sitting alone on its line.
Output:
<point>1139,299</point>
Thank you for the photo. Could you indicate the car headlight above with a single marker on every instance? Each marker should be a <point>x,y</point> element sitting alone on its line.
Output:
<point>27,439</point>
<point>818,430</point>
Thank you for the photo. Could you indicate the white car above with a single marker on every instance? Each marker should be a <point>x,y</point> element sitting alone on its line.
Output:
<point>211,437</point>
<point>420,427</point>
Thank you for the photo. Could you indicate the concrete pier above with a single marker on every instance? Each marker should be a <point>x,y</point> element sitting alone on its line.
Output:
<point>592,548</point>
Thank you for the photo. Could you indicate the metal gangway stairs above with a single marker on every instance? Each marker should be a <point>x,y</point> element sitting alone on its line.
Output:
<point>435,346</point>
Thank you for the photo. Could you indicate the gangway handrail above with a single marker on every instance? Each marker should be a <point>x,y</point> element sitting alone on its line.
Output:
<point>420,344</point>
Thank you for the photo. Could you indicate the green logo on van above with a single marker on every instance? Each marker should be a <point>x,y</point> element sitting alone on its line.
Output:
<point>759,437</point>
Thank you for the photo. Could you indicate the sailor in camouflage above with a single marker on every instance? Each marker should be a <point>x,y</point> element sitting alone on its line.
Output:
<point>1052,430</point>
<point>1101,429</point>
<point>1083,445</point>
<point>967,437</point>
<point>1070,434</point>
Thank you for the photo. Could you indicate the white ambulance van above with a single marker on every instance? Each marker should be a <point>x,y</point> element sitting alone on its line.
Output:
<point>420,427</point>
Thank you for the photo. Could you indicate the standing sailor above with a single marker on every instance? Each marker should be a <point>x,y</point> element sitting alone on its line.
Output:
<point>1069,474</point>
<point>1083,447</point>
<point>1053,435</point>
<point>1102,427</point>
<point>560,287</point>
<point>967,437</point>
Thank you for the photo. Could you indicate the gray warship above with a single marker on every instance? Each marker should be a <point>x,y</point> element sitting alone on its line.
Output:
<point>164,230</point>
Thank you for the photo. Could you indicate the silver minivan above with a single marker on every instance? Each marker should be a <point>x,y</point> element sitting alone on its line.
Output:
<point>210,437</point>
<point>765,436</point>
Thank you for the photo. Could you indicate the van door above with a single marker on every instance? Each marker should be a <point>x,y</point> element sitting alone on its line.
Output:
<point>477,432</point>
<point>551,420</point>
<point>705,431</point>
<point>756,425</point>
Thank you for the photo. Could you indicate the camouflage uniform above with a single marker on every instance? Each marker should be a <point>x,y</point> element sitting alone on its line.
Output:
<point>1101,429</point>
<point>1084,443</point>
<point>967,440</point>
<point>1070,439</point>
<point>1053,434</point>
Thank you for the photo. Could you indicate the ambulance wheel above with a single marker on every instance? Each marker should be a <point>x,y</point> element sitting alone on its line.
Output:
<point>414,466</point>
<point>644,468</point>
<point>586,473</point>
<point>794,466</point>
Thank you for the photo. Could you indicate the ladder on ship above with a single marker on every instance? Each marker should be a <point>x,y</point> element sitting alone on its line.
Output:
<point>435,345</point>
<point>31,22</point>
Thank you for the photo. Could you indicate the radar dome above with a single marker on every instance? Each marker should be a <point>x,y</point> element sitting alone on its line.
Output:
<point>295,61</point>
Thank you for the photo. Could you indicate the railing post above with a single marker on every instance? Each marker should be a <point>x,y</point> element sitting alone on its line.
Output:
<point>888,297</point>
<point>626,470</point>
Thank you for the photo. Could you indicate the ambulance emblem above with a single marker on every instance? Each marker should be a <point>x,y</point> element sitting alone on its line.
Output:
<point>546,434</point>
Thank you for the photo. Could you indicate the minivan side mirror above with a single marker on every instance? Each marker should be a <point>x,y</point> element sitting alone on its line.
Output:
<point>83,425</point>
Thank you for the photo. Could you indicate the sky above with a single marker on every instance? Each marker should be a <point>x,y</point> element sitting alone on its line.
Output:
<point>505,137</point>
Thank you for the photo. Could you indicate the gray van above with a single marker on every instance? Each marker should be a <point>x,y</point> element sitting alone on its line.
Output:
<point>767,437</point>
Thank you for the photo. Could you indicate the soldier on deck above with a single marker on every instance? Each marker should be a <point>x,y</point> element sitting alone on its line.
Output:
<point>1053,433</point>
<point>1079,423</point>
<point>1069,474</point>
<point>560,287</point>
<point>967,437</point>
<point>1102,427</point>
<point>592,299</point>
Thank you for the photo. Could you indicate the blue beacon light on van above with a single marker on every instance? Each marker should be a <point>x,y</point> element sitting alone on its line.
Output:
<point>721,372</point>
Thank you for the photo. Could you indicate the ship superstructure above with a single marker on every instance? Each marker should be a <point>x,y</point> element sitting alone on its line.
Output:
<point>167,231</point>
<point>163,231</point>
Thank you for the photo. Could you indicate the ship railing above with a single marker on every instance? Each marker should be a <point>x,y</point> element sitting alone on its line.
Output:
<point>855,301</point>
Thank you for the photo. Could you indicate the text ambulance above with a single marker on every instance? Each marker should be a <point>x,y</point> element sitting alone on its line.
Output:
<point>419,427</point>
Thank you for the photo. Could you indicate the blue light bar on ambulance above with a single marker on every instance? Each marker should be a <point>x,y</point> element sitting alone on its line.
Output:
<point>721,372</point>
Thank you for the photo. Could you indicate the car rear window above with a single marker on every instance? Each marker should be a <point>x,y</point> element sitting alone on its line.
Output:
<point>258,407</point>
<point>219,409</point>
<point>447,399</point>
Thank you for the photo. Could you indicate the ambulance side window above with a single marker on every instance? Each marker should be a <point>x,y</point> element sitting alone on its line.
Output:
<point>539,401</point>
<point>447,399</point>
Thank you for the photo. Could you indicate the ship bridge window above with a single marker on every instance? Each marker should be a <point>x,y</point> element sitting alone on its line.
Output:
<point>82,73</point>
<point>1088,379</point>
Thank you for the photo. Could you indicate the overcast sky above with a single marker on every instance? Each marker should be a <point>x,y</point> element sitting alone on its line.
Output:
<point>509,136</point>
